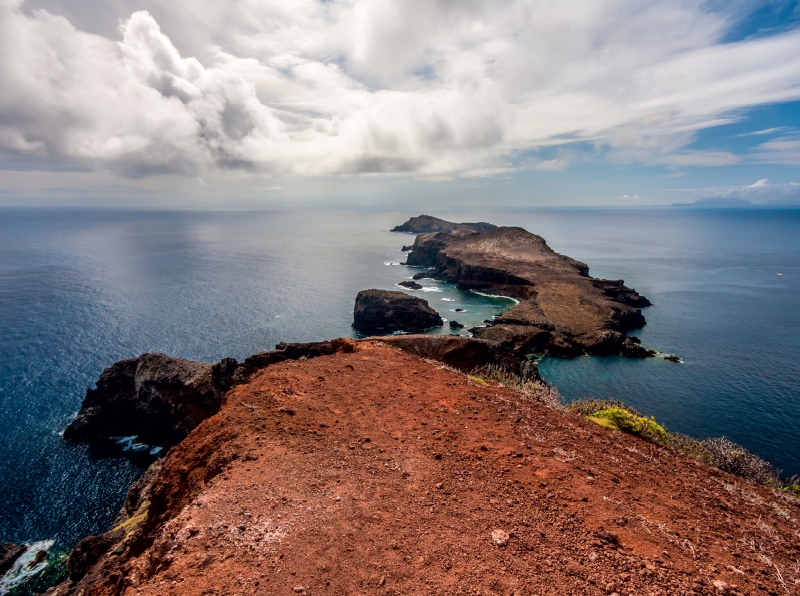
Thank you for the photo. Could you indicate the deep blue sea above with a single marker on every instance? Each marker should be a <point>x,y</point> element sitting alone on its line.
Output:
<point>80,289</point>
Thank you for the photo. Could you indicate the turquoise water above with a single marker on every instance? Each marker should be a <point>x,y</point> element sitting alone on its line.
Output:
<point>81,289</point>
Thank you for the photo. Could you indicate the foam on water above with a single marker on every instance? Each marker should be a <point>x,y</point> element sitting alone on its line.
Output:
<point>26,568</point>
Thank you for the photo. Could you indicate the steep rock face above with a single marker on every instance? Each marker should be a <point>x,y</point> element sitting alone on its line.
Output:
<point>579,314</point>
<point>157,398</point>
<point>426,223</point>
<point>384,310</point>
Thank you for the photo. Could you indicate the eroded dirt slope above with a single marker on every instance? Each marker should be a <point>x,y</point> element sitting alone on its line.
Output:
<point>377,472</point>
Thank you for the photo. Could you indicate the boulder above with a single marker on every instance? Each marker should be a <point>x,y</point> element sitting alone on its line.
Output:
<point>385,310</point>
<point>411,285</point>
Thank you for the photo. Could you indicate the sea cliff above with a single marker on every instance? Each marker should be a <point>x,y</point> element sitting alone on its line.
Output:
<point>365,468</point>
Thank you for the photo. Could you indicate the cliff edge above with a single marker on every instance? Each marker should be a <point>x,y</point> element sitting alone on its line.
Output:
<point>371,470</point>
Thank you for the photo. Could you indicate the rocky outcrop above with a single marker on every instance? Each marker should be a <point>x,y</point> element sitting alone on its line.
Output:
<point>411,285</point>
<point>426,223</point>
<point>563,311</point>
<point>126,531</point>
<point>9,553</point>
<point>157,398</point>
<point>464,353</point>
<point>384,310</point>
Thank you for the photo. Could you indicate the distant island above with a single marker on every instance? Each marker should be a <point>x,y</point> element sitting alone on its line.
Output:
<point>716,202</point>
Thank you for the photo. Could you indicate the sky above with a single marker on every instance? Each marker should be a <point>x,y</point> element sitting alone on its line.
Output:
<point>420,103</point>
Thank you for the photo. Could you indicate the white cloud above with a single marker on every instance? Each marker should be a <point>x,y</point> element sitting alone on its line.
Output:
<point>760,192</point>
<point>781,150</point>
<point>766,131</point>
<point>430,87</point>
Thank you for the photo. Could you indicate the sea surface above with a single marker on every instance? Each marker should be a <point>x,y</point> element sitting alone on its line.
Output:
<point>80,289</point>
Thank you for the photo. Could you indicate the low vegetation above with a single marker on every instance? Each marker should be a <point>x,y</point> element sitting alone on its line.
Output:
<point>719,452</point>
<point>533,388</point>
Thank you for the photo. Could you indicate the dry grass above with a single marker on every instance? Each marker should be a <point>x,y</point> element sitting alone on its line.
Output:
<point>535,390</point>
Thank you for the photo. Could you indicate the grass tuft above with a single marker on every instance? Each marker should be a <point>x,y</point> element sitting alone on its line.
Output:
<point>534,389</point>
<point>719,452</point>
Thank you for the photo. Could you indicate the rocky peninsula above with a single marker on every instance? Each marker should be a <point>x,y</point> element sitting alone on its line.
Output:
<point>349,467</point>
<point>563,311</point>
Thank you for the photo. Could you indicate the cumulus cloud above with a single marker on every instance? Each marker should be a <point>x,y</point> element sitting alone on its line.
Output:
<point>430,87</point>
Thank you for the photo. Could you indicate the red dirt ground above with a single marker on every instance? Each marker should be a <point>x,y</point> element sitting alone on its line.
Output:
<point>377,472</point>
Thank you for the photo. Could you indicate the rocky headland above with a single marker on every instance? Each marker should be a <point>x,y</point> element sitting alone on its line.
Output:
<point>563,311</point>
<point>377,466</point>
<point>426,223</point>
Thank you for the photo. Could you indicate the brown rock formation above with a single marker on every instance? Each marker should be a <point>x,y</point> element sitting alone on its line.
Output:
<point>563,310</point>
<point>387,311</point>
<point>9,553</point>
<point>375,471</point>
<point>158,398</point>
<point>426,223</point>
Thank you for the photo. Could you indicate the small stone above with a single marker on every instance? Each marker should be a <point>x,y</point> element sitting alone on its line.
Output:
<point>721,586</point>
<point>299,589</point>
<point>500,537</point>
<point>382,580</point>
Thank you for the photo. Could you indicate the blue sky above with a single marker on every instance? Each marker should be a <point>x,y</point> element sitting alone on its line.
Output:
<point>423,103</point>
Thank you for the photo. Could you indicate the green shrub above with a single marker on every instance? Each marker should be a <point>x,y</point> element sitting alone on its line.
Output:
<point>719,452</point>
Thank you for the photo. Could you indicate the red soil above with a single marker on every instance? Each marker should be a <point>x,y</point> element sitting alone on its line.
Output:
<point>377,472</point>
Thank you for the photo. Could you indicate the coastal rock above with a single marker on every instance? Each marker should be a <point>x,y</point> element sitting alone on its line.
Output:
<point>157,398</point>
<point>9,553</point>
<point>291,351</point>
<point>384,310</point>
<point>582,314</point>
<point>125,530</point>
<point>456,325</point>
<point>426,223</point>
<point>411,285</point>
<point>464,353</point>
<point>521,339</point>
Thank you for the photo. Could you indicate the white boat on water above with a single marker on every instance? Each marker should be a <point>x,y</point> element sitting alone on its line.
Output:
<point>780,274</point>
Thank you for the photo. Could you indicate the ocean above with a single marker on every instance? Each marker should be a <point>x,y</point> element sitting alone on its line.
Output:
<point>80,289</point>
